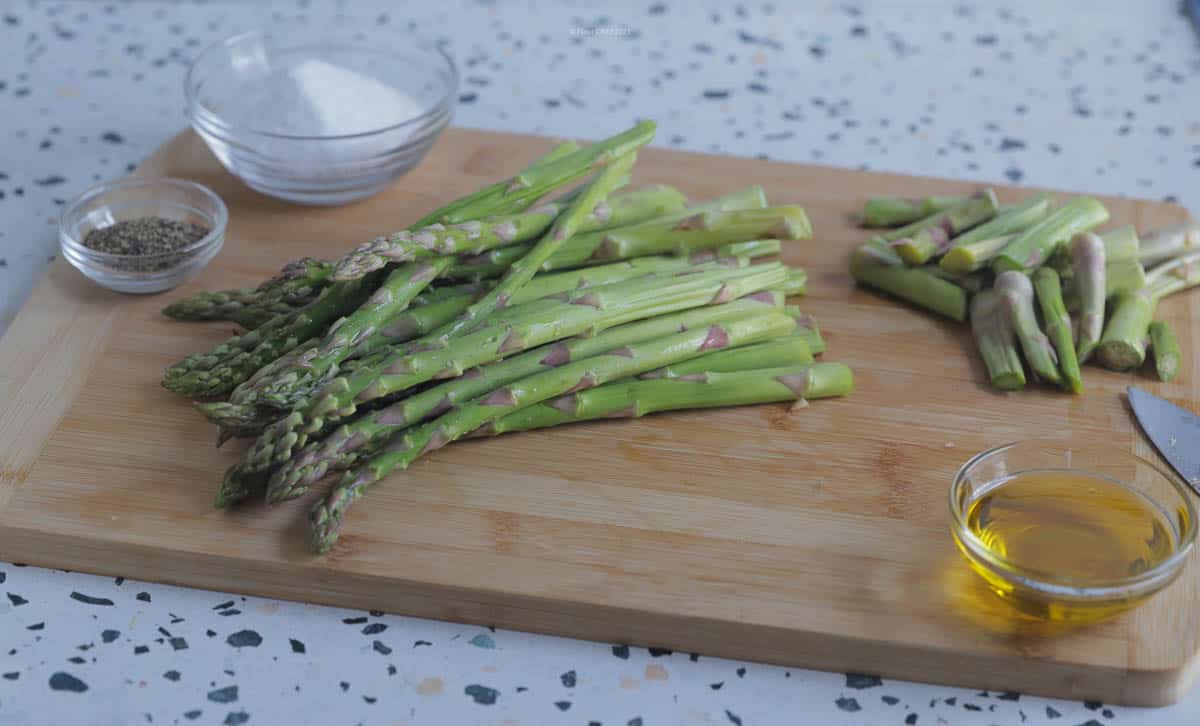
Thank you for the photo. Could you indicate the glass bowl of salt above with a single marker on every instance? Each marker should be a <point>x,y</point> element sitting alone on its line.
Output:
<point>325,122</point>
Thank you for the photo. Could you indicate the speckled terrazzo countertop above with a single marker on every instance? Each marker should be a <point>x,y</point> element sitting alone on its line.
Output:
<point>1100,95</point>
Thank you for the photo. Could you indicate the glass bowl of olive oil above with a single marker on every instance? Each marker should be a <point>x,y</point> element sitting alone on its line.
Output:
<point>1071,533</point>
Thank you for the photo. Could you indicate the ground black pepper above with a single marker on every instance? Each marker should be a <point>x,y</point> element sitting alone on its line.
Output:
<point>153,238</point>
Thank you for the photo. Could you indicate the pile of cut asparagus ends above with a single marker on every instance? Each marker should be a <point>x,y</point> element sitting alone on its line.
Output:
<point>1041,288</point>
<point>530,303</point>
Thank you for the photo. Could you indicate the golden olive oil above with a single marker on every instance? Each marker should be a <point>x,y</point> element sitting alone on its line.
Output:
<point>1075,530</point>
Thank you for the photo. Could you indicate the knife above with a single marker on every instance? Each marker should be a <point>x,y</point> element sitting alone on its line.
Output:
<point>1174,431</point>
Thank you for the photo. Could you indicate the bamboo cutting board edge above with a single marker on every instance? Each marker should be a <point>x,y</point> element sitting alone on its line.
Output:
<point>54,340</point>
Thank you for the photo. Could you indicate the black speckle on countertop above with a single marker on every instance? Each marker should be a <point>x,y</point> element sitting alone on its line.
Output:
<point>244,639</point>
<point>61,681</point>
<point>89,600</point>
<point>482,695</point>
<point>226,694</point>
<point>848,704</point>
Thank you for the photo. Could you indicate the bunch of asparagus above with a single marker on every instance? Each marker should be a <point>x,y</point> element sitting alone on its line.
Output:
<point>501,312</point>
<point>1034,279</point>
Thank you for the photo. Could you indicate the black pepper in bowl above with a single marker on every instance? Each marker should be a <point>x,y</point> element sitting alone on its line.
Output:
<point>153,238</point>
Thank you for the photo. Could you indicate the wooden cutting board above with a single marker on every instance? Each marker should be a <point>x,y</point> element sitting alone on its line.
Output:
<point>813,539</point>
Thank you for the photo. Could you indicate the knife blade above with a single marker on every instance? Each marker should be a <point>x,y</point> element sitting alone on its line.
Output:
<point>1174,431</point>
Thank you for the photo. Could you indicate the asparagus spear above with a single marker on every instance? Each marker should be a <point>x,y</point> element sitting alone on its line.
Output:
<point>1087,255</point>
<point>996,342</point>
<point>1016,301</point>
<point>1034,246</point>
<point>564,227</point>
<point>1166,350</point>
<point>515,193</point>
<point>1119,277</point>
<point>972,282</point>
<point>1058,324</point>
<point>708,389</point>
<point>219,371</point>
<point>937,219</point>
<point>537,181</point>
<point>579,250</point>
<point>240,356</point>
<point>477,236</point>
<point>265,397</point>
<point>807,328</point>
<point>245,306</point>
<point>896,211</point>
<point>619,363</point>
<point>362,437</point>
<point>1123,345</point>
<point>1170,242</point>
<point>963,259</point>
<point>972,250</point>
<point>1120,247</point>
<point>791,350</point>
<point>934,240</point>
<point>876,265</point>
<point>796,284</point>
<point>588,310</point>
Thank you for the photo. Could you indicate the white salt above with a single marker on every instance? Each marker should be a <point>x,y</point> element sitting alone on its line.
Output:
<point>317,98</point>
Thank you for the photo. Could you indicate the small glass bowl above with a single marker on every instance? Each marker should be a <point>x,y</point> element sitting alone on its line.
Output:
<point>243,100</point>
<point>1038,594</point>
<point>108,203</point>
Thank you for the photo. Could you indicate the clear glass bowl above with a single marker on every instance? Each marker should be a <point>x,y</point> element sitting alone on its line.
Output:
<point>1047,596</point>
<point>376,112</point>
<point>108,203</point>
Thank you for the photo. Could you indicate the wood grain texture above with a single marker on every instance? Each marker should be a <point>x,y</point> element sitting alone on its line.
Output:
<point>817,539</point>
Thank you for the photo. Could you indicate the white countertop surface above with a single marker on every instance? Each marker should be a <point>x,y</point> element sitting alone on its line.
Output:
<point>1100,96</point>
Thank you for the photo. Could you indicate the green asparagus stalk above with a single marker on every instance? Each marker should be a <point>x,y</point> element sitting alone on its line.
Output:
<point>1123,345</point>
<point>996,342</point>
<point>1016,301</point>
<point>876,265</point>
<point>477,236</point>
<point>1119,277</point>
<point>1166,350</point>
<point>240,356</point>
<point>1048,287</point>
<point>896,211</point>
<point>265,397</point>
<point>703,231</point>
<point>574,376</point>
<point>345,335</point>
<point>934,240</point>
<point>1087,255</point>
<point>565,226</point>
<point>1120,247</point>
<point>505,197</point>
<point>791,350</point>
<point>1032,247</point>
<point>972,282</point>
<point>219,371</point>
<point>244,306</point>
<point>1170,242</point>
<point>973,256</point>
<point>972,250</point>
<point>588,310</point>
<point>1175,275</point>
<point>522,191</point>
<point>346,445</point>
<point>709,389</point>
<point>580,249</point>
<point>796,284</point>
<point>807,328</point>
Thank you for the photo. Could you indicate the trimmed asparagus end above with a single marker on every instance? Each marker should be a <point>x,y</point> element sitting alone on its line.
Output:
<point>1166,350</point>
